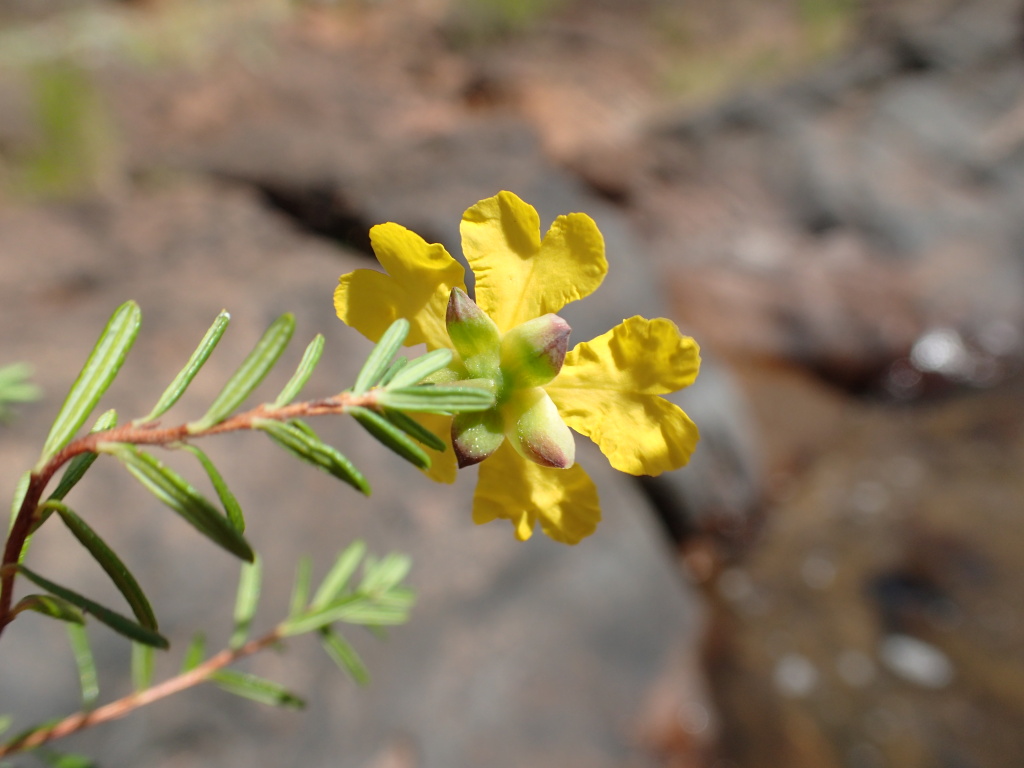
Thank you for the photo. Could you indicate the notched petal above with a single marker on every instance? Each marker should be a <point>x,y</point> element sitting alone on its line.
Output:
<point>532,353</point>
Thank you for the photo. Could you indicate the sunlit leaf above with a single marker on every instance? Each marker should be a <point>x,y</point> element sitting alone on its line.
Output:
<point>433,399</point>
<point>195,653</point>
<point>95,377</point>
<point>246,601</point>
<point>344,655</point>
<point>249,375</point>
<point>307,365</point>
<point>300,591</point>
<point>142,666</point>
<point>227,498</point>
<point>185,376</point>
<point>391,436</point>
<point>378,362</point>
<point>303,442</point>
<point>414,429</point>
<point>82,651</point>
<point>421,367</point>
<point>338,577</point>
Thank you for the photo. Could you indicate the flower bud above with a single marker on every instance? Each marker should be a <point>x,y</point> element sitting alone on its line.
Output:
<point>536,430</point>
<point>475,436</point>
<point>532,353</point>
<point>474,335</point>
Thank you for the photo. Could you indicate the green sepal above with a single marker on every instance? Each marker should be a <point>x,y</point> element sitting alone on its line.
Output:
<point>88,678</point>
<point>420,368</point>
<point>475,336</point>
<point>256,688</point>
<point>120,624</point>
<point>344,655</point>
<point>185,376</point>
<point>110,562</point>
<point>95,377</point>
<point>51,606</point>
<point>415,430</point>
<point>310,359</point>
<point>378,362</point>
<point>303,442</point>
<point>391,436</point>
<point>249,375</point>
<point>432,399</point>
<point>231,506</point>
<point>174,491</point>
<point>246,601</point>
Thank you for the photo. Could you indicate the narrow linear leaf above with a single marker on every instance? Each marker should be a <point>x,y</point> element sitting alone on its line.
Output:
<point>95,377</point>
<point>185,376</point>
<point>195,653</point>
<point>354,609</point>
<point>174,491</point>
<point>421,367</point>
<point>307,365</point>
<point>414,429</point>
<point>249,375</point>
<point>344,655</point>
<point>77,466</point>
<point>51,606</point>
<point>256,688</point>
<point>377,363</point>
<point>142,666</point>
<point>246,600</point>
<point>5,723</point>
<point>303,442</point>
<point>338,577</point>
<point>19,496</point>
<point>391,436</point>
<point>433,399</point>
<point>110,562</point>
<point>120,624</point>
<point>64,759</point>
<point>300,591</point>
<point>82,651</point>
<point>385,574</point>
<point>392,371</point>
<point>227,498</point>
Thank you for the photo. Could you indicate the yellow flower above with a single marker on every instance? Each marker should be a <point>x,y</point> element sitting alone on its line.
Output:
<point>608,389</point>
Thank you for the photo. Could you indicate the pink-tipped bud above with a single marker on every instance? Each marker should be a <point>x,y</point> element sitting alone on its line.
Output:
<point>474,335</point>
<point>536,430</point>
<point>475,436</point>
<point>532,353</point>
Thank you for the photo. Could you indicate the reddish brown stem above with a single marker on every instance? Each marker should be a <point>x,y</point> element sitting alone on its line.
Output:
<point>123,706</point>
<point>149,433</point>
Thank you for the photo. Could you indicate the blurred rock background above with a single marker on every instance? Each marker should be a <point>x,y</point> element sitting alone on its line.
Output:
<point>826,193</point>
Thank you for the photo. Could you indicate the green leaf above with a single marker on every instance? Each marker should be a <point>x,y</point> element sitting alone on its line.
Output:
<point>392,371</point>
<point>64,759</point>
<point>142,666</point>
<point>256,688</point>
<point>434,399</point>
<point>82,651</point>
<point>194,653</point>
<point>303,442</point>
<point>19,496</point>
<point>300,591</point>
<point>120,624</point>
<point>421,367</point>
<point>306,367</point>
<point>378,362</point>
<point>185,376</point>
<point>338,577</point>
<point>249,375</point>
<point>227,498</point>
<point>414,429</point>
<point>392,608</point>
<point>5,723</point>
<point>99,371</point>
<point>77,466</point>
<point>385,574</point>
<point>51,606</point>
<point>110,562</point>
<point>391,436</point>
<point>174,491</point>
<point>344,655</point>
<point>246,600</point>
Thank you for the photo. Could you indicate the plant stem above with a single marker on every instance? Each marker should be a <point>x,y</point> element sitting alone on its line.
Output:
<point>149,433</point>
<point>121,707</point>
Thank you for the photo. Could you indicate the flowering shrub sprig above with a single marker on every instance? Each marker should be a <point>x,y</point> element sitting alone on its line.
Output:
<point>510,341</point>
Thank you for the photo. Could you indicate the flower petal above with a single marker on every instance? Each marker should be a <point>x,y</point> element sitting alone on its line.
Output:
<point>607,389</point>
<point>563,500</point>
<point>518,277</point>
<point>419,279</point>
